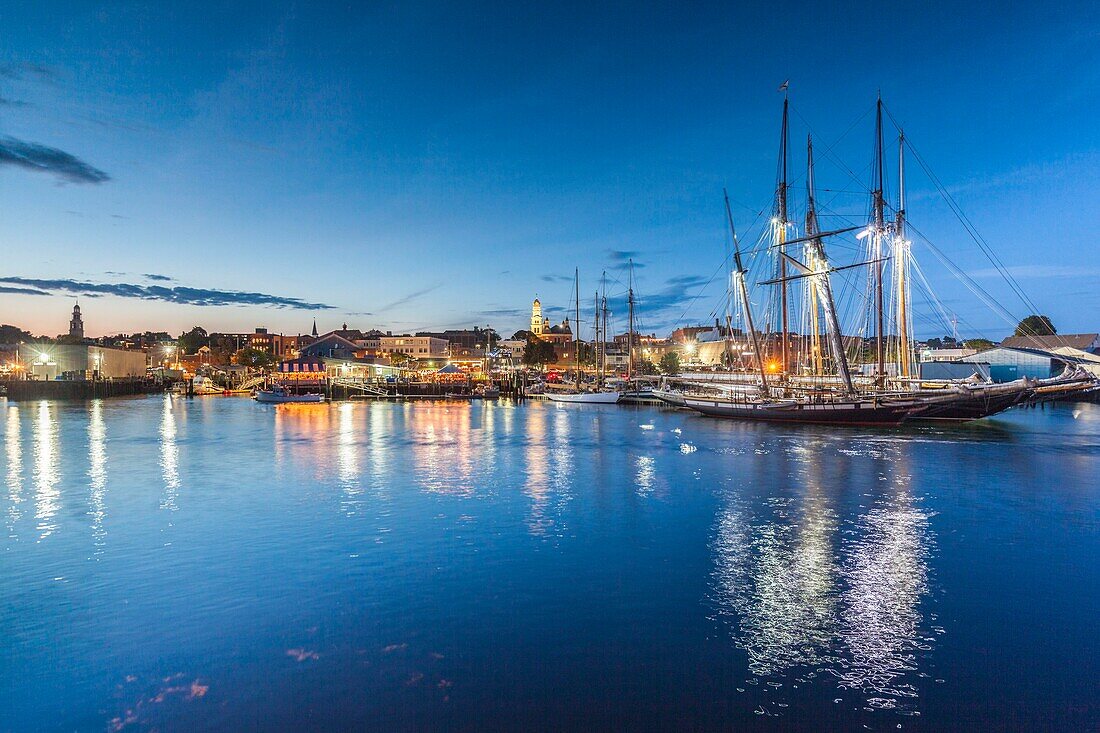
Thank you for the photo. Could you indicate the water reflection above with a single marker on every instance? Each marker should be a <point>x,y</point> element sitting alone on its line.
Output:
<point>47,470</point>
<point>347,459</point>
<point>646,474</point>
<point>169,457</point>
<point>537,481</point>
<point>886,576</point>
<point>13,448</point>
<point>379,429</point>
<point>807,592</point>
<point>97,474</point>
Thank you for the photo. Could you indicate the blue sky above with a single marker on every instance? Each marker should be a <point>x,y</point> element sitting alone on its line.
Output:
<point>428,165</point>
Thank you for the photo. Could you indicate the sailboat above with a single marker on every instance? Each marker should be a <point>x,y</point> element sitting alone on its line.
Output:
<point>815,394</point>
<point>597,395</point>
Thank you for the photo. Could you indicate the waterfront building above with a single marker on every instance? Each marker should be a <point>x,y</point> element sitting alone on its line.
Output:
<point>511,348</point>
<point>945,354</point>
<point>334,346</point>
<point>76,324</point>
<point>1007,364</point>
<point>469,340</point>
<point>80,361</point>
<point>312,370</point>
<point>419,347</point>
<point>276,344</point>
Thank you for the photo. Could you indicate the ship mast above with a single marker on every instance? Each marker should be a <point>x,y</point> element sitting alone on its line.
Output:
<point>743,288</point>
<point>596,340</point>
<point>821,264</point>
<point>901,266</point>
<point>577,325</point>
<point>811,252</point>
<point>878,209</point>
<point>779,230</point>
<point>603,366</point>
<point>630,324</point>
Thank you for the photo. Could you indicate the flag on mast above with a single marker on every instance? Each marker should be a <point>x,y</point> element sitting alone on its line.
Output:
<point>784,86</point>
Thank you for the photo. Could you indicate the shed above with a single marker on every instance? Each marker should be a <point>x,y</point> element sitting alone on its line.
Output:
<point>1010,363</point>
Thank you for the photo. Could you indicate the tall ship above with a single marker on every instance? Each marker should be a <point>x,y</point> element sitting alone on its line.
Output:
<point>800,367</point>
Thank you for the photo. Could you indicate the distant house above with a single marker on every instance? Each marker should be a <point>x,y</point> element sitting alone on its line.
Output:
<point>332,346</point>
<point>1084,341</point>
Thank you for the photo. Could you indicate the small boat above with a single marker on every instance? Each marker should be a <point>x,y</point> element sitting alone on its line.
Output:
<point>670,396</point>
<point>488,392</point>
<point>590,398</point>
<point>206,386</point>
<point>457,396</point>
<point>279,395</point>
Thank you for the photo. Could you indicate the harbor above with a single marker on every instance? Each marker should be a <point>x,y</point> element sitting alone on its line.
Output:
<point>499,561</point>
<point>549,367</point>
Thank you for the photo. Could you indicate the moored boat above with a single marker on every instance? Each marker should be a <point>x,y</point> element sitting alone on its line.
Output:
<point>279,395</point>
<point>591,398</point>
<point>841,411</point>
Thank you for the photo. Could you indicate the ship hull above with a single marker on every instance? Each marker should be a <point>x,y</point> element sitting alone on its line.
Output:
<point>826,413</point>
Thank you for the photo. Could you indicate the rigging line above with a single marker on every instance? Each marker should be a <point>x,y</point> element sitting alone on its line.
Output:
<point>983,245</point>
<point>721,266</point>
<point>829,150</point>
<point>922,282</point>
<point>971,285</point>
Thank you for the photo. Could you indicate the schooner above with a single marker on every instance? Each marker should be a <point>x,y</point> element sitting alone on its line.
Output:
<point>819,384</point>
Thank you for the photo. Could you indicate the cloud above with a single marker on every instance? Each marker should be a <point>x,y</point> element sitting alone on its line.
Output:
<point>43,159</point>
<point>182,295</point>
<point>5,102</point>
<point>26,70</point>
<point>622,255</point>
<point>408,298</point>
<point>505,312</point>
<point>677,293</point>
<point>158,278</point>
<point>557,278</point>
<point>21,291</point>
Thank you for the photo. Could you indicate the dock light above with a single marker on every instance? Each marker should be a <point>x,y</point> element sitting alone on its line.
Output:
<point>43,357</point>
<point>690,347</point>
<point>773,366</point>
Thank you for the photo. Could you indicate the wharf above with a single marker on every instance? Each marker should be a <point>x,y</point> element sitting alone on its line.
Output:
<point>55,389</point>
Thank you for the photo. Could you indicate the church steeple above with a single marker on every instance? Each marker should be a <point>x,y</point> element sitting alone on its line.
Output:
<point>76,323</point>
<point>537,322</point>
<point>314,328</point>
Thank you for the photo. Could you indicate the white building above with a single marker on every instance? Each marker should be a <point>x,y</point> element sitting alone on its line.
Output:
<point>946,354</point>
<point>78,361</point>
<point>420,347</point>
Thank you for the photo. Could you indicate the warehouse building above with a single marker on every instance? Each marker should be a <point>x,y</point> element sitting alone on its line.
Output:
<point>80,361</point>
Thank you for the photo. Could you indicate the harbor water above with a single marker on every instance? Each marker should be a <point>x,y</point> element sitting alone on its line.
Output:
<point>180,564</point>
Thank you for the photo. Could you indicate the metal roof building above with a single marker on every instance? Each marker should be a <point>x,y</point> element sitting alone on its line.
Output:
<point>1009,363</point>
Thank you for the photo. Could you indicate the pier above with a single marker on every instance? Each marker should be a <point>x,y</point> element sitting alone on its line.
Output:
<point>43,389</point>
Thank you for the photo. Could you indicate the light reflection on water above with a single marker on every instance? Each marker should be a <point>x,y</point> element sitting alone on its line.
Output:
<point>439,559</point>
<point>13,454</point>
<point>347,458</point>
<point>169,456</point>
<point>47,470</point>
<point>809,594</point>
<point>97,473</point>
